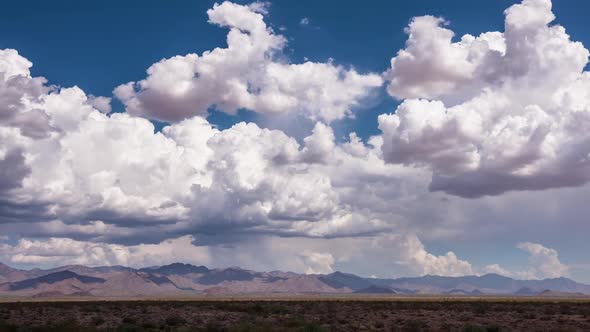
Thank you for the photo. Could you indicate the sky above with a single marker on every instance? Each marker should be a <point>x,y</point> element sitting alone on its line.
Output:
<point>397,139</point>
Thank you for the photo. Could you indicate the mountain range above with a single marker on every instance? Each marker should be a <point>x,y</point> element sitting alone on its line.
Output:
<point>185,280</point>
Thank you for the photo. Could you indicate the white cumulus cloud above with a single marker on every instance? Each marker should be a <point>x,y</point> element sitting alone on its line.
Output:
<point>250,73</point>
<point>90,174</point>
<point>414,253</point>
<point>499,112</point>
<point>543,263</point>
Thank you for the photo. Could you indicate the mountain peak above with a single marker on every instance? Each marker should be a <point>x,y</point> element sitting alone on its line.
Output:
<point>494,276</point>
<point>177,268</point>
<point>4,267</point>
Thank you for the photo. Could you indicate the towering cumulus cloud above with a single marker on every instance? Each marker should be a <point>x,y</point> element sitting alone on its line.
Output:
<point>494,113</point>
<point>97,188</point>
<point>248,74</point>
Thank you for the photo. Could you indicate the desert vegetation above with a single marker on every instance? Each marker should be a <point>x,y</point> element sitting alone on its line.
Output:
<point>297,315</point>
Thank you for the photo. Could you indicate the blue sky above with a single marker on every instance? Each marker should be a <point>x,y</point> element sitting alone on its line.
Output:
<point>482,208</point>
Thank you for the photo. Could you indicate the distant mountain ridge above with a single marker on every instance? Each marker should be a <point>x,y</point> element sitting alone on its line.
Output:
<point>185,280</point>
<point>53,278</point>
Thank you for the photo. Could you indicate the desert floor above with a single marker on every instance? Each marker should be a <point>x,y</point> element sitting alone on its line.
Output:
<point>300,314</point>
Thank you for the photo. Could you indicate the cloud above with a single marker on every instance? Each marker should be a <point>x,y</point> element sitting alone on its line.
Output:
<point>319,145</point>
<point>413,252</point>
<point>77,179</point>
<point>495,113</point>
<point>19,94</point>
<point>58,151</point>
<point>543,263</point>
<point>304,21</point>
<point>260,7</point>
<point>21,121</point>
<point>12,170</point>
<point>249,74</point>
<point>404,255</point>
<point>317,262</point>
<point>13,65</point>
<point>497,269</point>
<point>392,255</point>
<point>102,104</point>
<point>64,251</point>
